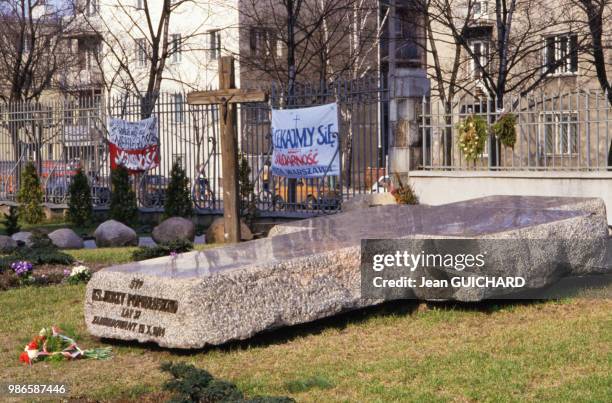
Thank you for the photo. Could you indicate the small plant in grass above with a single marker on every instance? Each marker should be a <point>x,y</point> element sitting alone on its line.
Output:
<point>123,207</point>
<point>178,199</point>
<point>144,253</point>
<point>191,384</point>
<point>78,274</point>
<point>505,129</point>
<point>472,137</point>
<point>30,196</point>
<point>23,270</point>
<point>80,210</point>
<point>404,194</point>
<point>11,221</point>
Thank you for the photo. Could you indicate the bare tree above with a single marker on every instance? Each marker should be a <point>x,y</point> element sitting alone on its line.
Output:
<point>306,40</point>
<point>445,62</point>
<point>36,56</point>
<point>597,19</point>
<point>35,48</point>
<point>138,45</point>
<point>513,31</point>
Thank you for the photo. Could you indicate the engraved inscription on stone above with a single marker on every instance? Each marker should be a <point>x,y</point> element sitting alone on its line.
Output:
<point>132,307</point>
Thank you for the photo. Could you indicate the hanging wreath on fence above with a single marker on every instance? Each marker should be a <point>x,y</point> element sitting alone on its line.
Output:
<point>505,129</point>
<point>472,137</point>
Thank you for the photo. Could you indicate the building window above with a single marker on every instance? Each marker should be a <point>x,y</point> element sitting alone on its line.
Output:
<point>178,108</point>
<point>93,7</point>
<point>139,4</point>
<point>480,57</point>
<point>176,48</point>
<point>262,42</point>
<point>561,54</point>
<point>214,40</point>
<point>141,52</point>
<point>480,9</point>
<point>559,133</point>
<point>408,47</point>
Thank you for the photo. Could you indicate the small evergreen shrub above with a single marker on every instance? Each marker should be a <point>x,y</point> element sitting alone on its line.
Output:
<point>123,207</point>
<point>80,210</point>
<point>11,221</point>
<point>248,204</point>
<point>30,196</point>
<point>42,251</point>
<point>191,384</point>
<point>144,253</point>
<point>178,198</point>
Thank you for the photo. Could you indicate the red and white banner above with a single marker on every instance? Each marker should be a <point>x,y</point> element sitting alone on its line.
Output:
<point>134,145</point>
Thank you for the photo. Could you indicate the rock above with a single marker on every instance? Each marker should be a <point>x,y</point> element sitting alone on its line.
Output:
<point>174,229</point>
<point>362,201</point>
<point>113,233</point>
<point>53,213</point>
<point>236,291</point>
<point>283,229</point>
<point>24,237</point>
<point>7,244</point>
<point>65,238</point>
<point>216,232</point>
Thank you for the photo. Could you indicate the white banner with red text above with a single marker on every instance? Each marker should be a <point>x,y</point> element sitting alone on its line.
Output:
<point>134,145</point>
<point>306,142</point>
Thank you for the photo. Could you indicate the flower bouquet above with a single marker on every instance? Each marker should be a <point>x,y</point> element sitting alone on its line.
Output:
<point>52,345</point>
<point>78,274</point>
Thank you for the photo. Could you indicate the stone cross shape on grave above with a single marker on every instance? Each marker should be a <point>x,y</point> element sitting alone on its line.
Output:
<point>227,96</point>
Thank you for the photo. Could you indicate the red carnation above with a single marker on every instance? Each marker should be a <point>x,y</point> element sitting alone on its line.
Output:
<point>33,345</point>
<point>25,358</point>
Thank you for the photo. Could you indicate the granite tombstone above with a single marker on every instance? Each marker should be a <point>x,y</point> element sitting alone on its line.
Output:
<point>308,270</point>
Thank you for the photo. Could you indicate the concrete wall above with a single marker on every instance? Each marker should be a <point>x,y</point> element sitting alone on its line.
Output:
<point>446,187</point>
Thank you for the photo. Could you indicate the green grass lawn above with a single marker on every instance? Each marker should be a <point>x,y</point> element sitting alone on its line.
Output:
<point>553,351</point>
<point>111,256</point>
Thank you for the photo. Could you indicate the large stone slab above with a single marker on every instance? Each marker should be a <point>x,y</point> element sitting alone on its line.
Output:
<point>310,272</point>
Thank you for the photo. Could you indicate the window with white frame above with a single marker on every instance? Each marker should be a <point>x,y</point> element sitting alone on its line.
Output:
<point>178,108</point>
<point>559,133</point>
<point>561,54</point>
<point>141,52</point>
<point>214,40</point>
<point>480,9</point>
<point>480,58</point>
<point>139,4</point>
<point>176,50</point>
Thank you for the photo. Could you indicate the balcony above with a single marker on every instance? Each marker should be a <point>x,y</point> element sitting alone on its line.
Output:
<point>82,79</point>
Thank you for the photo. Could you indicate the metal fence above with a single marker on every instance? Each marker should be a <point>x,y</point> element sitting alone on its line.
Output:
<point>61,135</point>
<point>558,132</point>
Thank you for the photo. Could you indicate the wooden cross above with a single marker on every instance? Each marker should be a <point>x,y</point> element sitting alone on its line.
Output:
<point>227,96</point>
